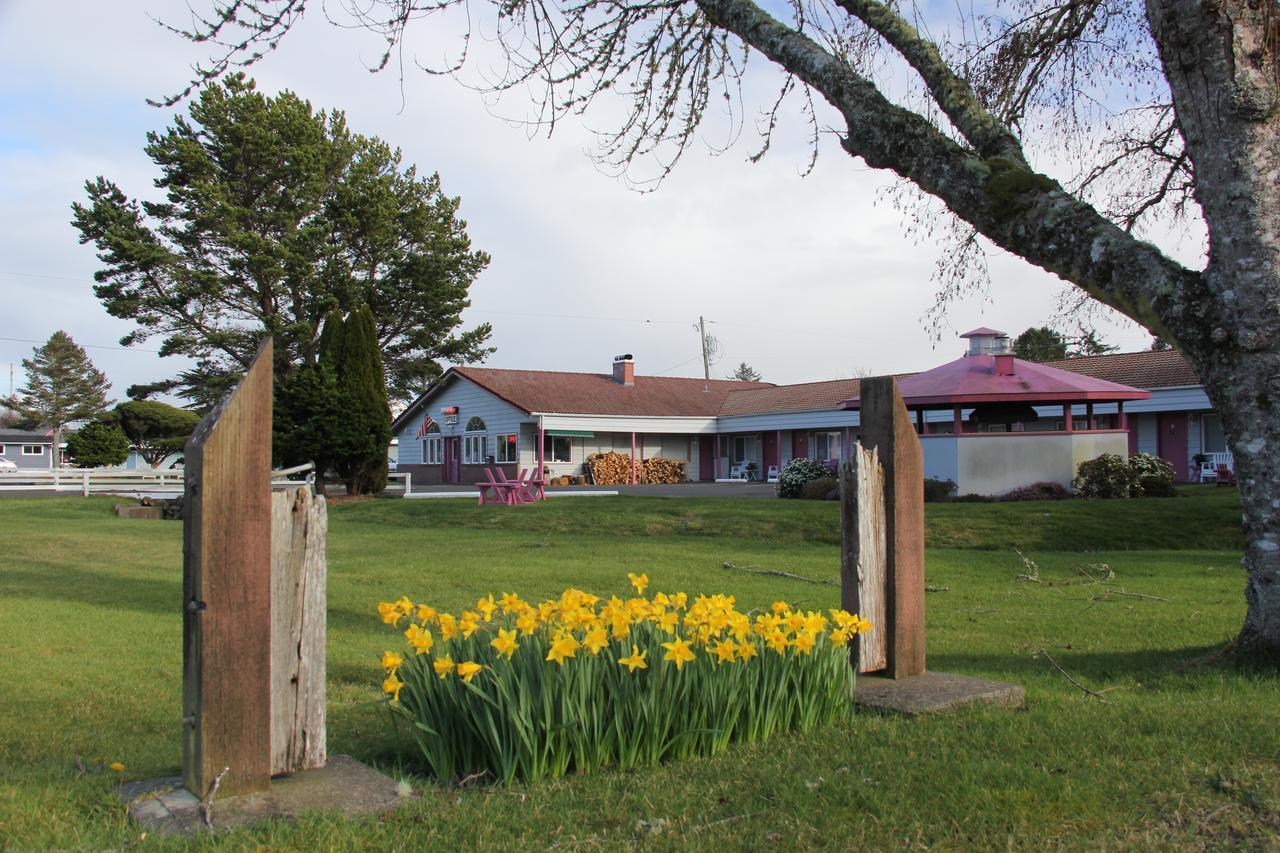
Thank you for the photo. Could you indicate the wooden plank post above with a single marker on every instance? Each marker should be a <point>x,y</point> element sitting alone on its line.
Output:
<point>886,426</point>
<point>299,524</point>
<point>226,592</point>
<point>862,555</point>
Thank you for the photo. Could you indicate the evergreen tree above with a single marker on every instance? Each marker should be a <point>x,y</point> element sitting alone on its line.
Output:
<point>1159,344</point>
<point>98,443</point>
<point>154,429</point>
<point>274,214</point>
<point>1040,344</point>
<point>62,387</point>
<point>1090,344</point>
<point>746,373</point>
<point>364,392</point>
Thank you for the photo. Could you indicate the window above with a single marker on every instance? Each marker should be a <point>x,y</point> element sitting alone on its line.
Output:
<point>1211,435</point>
<point>827,446</point>
<point>475,425</point>
<point>473,449</point>
<point>433,450</point>
<point>556,448</point>
<point>32,450</point>
<point>507,446</point>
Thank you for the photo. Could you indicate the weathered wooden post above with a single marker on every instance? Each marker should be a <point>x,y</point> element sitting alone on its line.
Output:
<point>887,428</point>
<point>882,563</point>
<point>226,592</point>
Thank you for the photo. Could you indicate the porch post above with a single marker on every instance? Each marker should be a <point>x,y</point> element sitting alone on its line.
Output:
<point>1121,417</point>
<point>956,421</point>
<point>1088,407</point>
<point>1066,417</point>
<point>541,453</point>
<point>919,421</point>
<point>779,443</point>
<point>633,457</point>
<point>717,468</point>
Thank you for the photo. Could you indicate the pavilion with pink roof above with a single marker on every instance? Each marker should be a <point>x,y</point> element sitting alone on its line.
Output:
<point>1013,422</point>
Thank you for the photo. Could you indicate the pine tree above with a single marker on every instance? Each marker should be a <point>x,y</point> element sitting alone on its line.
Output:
<point>99,443</point>
<point>62,387</point>
<point>363,385</point>
<point>746,373</point>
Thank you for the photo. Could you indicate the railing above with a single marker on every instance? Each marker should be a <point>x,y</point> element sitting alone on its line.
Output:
<point>407,476</point>
<point>99,480</point>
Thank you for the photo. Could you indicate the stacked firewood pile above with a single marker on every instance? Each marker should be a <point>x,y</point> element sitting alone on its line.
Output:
<point>614,469</point>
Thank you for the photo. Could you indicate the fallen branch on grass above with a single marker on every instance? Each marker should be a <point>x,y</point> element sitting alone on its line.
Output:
<point>1097,694</point>
<point>206,808</point>
<point>778,573</point>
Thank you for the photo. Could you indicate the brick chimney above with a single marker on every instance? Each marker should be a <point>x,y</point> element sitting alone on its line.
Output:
<point>1004,364</point>
<point>624,370</point>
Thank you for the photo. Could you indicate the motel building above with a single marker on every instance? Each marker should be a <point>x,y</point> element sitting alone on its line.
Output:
<point>987,420</point>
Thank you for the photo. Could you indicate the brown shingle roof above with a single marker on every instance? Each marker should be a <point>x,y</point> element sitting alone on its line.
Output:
<point>807,397</point>
<point>598,394</point>
<point>1139,369</point>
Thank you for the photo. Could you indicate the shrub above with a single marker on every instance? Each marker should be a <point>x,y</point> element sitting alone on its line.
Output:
<point>792,478</point>
<point>1112,476</point>
<point>524,692</point>
<point>1150,476</point>
<point>1043,491</point>
<point>938,490</point>
<point>1108,476</point>
<point>98,444</point>
<point>820,490</point>
<point>974,498</point>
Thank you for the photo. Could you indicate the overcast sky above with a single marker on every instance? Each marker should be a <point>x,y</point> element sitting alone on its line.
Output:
<point>805,278</point>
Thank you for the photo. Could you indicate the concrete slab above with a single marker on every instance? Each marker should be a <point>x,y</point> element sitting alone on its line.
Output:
<point>344,785</point>
<point>931,692</point>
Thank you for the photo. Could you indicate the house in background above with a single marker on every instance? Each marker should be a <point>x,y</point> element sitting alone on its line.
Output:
<point>27,448</point>
<point>725,429</point>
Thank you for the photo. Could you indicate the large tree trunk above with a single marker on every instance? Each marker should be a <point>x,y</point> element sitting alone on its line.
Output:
<point>1220,57</point>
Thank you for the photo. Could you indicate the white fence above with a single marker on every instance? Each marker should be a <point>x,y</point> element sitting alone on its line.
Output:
<point>89,481</point>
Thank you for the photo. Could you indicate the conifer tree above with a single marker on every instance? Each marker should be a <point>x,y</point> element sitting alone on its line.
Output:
<point>62,386</point>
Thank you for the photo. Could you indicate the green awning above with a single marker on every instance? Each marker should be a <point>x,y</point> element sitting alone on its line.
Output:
<point>571,433</point>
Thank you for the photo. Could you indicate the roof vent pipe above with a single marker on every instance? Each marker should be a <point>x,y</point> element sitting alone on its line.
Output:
<point>1004,364</point>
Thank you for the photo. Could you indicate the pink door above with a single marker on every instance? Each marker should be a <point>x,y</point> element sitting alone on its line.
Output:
<point>799,445</point>
<point>770,452</point>
<point>1172,442</point>
<point>453,459</point>
<point>706,458</point>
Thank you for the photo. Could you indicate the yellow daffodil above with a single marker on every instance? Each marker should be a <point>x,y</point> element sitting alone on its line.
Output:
<point>679,600</point>
<point>660,599</point>
<point>595,640</point>
<point>443,666</point>
<point>448,626</point>
<point>563,646</point>
<point>638,581</point>
<point>636,661</point>
<point>746,651</point>
<point>392,685</point>
<point>117,767</point>
<point>803,642</point>
<point>527,622</point>
<point>777,640</point>
<point>725,651</point>
<point>668,621</point>
<point>780,607</point>
<point>510,603</point>
<point>419,639</point>
<point>486,606</point>
<point>391,660</point>
<point>468,623</point>
<point>678,652</point>
<point>404,605</point>
<point>389,612</point>
<point>505,644</point>
<point>426,613</point>
<point>468,670</point>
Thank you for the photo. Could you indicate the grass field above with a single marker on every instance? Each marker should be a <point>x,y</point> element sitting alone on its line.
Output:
<point>1183,751</point>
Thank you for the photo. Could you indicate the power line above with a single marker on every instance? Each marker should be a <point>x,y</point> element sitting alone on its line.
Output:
<point>86,346</point>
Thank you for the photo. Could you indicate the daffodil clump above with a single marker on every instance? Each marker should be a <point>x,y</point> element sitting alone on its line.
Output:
<point>524,691</point>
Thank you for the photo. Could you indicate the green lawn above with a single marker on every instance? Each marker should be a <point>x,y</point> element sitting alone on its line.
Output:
<point>1183,751</point>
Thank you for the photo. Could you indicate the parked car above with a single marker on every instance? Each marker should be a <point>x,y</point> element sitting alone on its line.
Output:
<point>8,465</point>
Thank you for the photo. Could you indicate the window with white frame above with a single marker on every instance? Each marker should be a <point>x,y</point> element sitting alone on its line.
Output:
<point>1211,436</point>
<point>557,448</point>
<point>433,446</point>
<point>827,446</point>
<point>507,448</point>
<point>32,450</point>
<point>473,449</point>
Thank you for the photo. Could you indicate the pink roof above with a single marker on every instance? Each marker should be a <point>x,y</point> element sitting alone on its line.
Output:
<point>973,379</point>
<point>983,330</point>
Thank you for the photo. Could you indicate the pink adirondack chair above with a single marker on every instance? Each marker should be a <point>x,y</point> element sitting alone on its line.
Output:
<point>536,486</point>
<point>494,491</point>
<point>515,489</point>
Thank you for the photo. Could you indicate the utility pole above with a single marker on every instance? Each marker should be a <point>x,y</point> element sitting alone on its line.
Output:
<point>702,338</point>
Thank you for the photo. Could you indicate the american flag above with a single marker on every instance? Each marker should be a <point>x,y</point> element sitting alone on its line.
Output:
<point>426,425</point>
